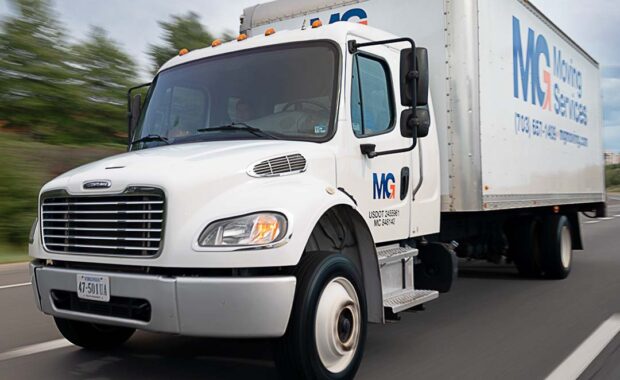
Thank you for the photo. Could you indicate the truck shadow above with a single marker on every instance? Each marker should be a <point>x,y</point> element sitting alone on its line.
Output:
<point>157,356</point>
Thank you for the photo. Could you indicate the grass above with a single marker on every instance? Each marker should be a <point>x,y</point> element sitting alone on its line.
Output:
<point>614,189</point>
<point>13,254</point>
<point>612,178</point>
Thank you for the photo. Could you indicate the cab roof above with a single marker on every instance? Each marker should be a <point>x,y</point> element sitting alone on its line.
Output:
<point>336,32</point>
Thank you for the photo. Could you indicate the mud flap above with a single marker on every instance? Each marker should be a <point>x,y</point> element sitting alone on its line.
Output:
<point>436,267</point>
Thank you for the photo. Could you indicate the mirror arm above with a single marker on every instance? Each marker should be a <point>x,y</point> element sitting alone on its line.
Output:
<point>369,149</point>
<point>129,115</point>
<point>353,46</point>
<point>370,153</point>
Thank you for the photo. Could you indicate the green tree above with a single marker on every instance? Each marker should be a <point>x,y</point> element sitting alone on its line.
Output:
<point>181,31</point>
<point>37,94</point>
<point>104,73</point>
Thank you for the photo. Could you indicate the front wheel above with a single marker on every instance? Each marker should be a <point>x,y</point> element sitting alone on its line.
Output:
<point>93,336</point>
<point>327,329</point>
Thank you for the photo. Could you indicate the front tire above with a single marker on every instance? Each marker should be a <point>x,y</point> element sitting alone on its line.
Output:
<point>327,329</point>
<point>93,336</point>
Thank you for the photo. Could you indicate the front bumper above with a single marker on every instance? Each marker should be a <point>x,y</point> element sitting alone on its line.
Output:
<point>228,307</point>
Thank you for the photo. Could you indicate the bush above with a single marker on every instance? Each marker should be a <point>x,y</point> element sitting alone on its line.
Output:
<point>26,167</point>
<point>612,175</point>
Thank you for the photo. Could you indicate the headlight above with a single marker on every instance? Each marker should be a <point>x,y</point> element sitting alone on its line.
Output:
<point>249,230</point>
<point>33,229</point>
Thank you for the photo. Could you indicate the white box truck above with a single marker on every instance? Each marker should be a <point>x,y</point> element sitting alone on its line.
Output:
<point>323,171</point>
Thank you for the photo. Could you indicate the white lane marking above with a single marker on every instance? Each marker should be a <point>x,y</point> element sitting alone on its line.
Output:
<point>592,222</point>
<point>15,285</point>
<point>35,349</point>
<point>577,362</point>
<point>608,218</point>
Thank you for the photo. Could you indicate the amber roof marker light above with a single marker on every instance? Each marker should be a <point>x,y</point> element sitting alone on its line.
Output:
<point>183,51</point>
<point>270,31</point>
<point>242,37</point>
<point>216,43</point>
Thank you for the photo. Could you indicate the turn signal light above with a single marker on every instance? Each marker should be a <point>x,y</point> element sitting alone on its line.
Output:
<point>317,24</point>
<point>270,31</point>
<point>216,43</point>
<point>183,52</point>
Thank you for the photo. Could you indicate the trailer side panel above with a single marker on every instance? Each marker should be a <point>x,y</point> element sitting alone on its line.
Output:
<point>541,124</point>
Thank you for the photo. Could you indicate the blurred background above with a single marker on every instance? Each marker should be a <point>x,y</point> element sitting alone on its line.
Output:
<point>63,99</point>
<point>63,89</point>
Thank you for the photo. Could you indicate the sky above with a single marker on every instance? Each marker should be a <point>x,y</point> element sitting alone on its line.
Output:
<point>593,24</point>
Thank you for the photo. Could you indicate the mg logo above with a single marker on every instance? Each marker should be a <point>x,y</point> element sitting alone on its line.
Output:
<point>384,187</point>
<point>529,64</point>
<point>354,14</point>
<point>98,184</point>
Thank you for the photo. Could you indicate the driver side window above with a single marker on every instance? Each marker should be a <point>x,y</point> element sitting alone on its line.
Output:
<point>372,101</point>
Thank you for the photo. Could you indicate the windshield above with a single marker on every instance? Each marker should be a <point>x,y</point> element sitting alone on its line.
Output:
<point>286,91</point>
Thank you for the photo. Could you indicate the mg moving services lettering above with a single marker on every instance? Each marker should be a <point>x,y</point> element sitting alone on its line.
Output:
<point>353,15</point>
<point>558,74</point>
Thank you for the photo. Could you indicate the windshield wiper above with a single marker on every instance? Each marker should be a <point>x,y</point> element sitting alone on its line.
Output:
<point>239,126</point>
<point>150,138</point>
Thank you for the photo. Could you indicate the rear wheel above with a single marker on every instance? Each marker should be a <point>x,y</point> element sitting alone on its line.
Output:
<point>525,246</point>
<point>93,336</point>
<point>556,242</point>
<point>327,329</point>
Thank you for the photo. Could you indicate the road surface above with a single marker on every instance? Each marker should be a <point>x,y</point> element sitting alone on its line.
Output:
<point>492,325</point>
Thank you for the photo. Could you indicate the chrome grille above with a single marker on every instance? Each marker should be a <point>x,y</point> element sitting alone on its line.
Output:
<point>294,163</point>
<point>128,224</point>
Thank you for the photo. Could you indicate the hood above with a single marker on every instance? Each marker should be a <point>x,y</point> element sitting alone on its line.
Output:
<point>187,165</point>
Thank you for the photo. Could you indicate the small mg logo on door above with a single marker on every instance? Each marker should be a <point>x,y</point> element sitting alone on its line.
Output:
<point>384,186</point>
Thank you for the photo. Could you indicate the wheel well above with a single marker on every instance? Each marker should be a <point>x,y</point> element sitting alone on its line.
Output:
<point>342,229</point>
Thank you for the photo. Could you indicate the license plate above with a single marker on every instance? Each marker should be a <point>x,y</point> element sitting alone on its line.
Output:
<point>93,287</point>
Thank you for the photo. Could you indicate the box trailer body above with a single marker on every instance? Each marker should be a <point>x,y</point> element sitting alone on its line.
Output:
<point>517,103</point>
<point>315,175</point>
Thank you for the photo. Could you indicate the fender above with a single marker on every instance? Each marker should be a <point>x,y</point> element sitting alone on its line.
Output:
<point>302,199</point>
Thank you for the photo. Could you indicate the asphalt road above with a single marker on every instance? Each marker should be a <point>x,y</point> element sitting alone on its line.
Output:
<point>492,325</point>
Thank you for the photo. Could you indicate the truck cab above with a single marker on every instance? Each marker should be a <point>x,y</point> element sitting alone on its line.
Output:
<point>272,188</point>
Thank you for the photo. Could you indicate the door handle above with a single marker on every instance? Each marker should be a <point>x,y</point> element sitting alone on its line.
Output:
<point>404,183</point>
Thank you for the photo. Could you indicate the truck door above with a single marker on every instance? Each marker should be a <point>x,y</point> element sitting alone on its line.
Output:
<point>379,185</point>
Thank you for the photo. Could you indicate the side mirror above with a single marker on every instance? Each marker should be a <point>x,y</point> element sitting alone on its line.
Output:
<point>134,109</point>
<point>134,113</point>
<point>408,68</point>
<point>416,123</point>
<point>423,123</point>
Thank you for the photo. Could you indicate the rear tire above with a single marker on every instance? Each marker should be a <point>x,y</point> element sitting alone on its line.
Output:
<point>93,336</point>
<point>326,334</point>
<point>556,242</point>
<point>525,247</point>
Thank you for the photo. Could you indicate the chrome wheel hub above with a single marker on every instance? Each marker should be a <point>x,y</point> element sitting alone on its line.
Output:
<point>566,247</point>
<point>337,325</point>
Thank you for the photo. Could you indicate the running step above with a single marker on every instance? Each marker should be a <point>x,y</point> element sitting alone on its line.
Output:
<point>392,254</point>
<point>408,299</point>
